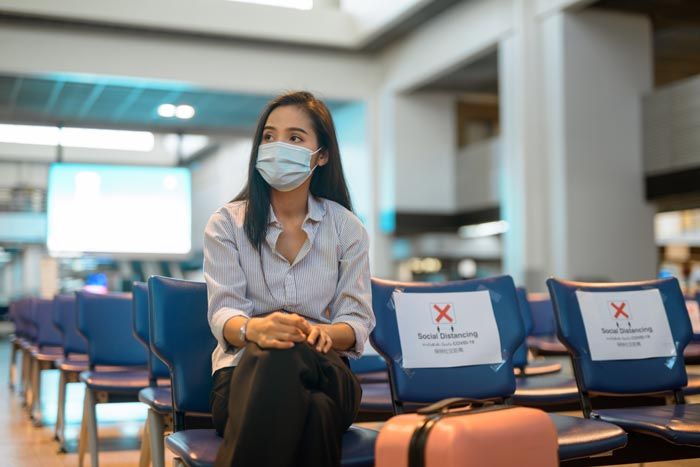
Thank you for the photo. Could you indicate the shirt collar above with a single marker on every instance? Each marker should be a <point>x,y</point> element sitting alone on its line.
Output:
<point>315,210</point>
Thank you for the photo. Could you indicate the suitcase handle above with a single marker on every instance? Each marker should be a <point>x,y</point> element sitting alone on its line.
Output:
<point>450,403</point>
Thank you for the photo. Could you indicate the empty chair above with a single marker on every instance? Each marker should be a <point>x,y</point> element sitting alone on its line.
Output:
<point>182,338</point>
<point>17,337</point>
<point>543,338</point>
<point>26,345</point>
<point>157,396</point>
<point>44,354</point>
<point>523,366</point>
<point>578,438</point>
<point>645,357</point>
<point>106,323</point>
<point>74,359</point>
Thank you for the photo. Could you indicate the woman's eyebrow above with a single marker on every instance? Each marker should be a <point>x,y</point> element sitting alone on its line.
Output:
<point>301,130</point>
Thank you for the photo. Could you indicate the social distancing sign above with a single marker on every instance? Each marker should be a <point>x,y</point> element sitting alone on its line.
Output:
<point>626,325</point>
<point>439,330</point>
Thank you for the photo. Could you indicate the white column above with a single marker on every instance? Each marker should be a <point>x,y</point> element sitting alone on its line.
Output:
<point>572,188</point>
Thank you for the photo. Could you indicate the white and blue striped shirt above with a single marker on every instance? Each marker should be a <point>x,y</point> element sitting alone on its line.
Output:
<point>329,281</point>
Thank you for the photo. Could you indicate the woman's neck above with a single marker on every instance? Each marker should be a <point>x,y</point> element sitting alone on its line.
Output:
<point>290,204</point>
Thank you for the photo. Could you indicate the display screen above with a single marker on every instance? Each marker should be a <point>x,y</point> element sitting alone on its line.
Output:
<point>118,209</point>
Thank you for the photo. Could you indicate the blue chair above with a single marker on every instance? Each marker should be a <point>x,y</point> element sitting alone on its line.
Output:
<point>44,354</point>
<point>578,438</point>
<point>106,323</point>
<point>26,344</point>
<point>676,425</point>
<point>157,396</point>
<point>74,359</point>
<point>543,338</point>
<point>181,337</point>
<point>369,369</point>
<point>523,366</point>
<point>16,338</point>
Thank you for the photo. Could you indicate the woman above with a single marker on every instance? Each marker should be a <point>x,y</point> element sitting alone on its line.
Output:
<point>286,265</point>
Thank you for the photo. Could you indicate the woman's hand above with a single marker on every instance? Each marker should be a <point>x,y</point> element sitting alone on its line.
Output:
<point>278,330</point>
<point>320,338</point>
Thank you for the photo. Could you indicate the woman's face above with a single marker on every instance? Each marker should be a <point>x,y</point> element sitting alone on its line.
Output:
<point>290,124</point>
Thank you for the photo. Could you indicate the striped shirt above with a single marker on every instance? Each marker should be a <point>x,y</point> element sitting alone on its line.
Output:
<point>329,281</point>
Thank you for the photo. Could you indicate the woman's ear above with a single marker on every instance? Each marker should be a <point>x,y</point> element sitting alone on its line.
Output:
<point>322,158</point>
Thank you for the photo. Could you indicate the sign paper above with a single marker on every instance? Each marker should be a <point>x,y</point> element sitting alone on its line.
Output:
<point>439,330</point>
<point>626,325</point>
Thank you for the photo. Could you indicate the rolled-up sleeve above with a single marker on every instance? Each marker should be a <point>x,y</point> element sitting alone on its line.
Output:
<point>226,282</point>
<point>352,303</point>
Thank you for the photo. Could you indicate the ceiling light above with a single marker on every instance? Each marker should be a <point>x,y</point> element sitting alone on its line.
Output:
<point>77,137</point>
<point>166,110</point>
<point>184,112</point>
<point>486,229</point>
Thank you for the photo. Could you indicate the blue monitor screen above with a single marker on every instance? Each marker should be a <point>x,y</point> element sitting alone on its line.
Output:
<point>118,209</point>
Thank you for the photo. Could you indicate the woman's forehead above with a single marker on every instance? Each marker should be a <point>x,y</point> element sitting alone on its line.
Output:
<point>288,116</point>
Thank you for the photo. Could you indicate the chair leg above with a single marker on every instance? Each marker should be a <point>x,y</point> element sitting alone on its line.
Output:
<point>29,381</point>
<point>82,439</point>
<point>156,430</point>
<point>13,365</point>
<point>145,455</point>
<point>59,434</point>
<point>35,407</point>
<point>24,391</point>
<point>90,404</point>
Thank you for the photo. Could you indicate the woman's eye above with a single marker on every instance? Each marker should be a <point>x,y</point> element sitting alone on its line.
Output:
<point>295,139</point>
<point>267,137</point>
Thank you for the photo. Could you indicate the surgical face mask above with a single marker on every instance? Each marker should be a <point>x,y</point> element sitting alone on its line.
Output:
<point>284,166</point>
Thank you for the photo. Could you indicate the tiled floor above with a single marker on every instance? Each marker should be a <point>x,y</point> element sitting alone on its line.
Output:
<point>23,445</point>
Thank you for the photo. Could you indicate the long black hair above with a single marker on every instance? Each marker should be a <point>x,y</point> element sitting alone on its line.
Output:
<point>327,181</point>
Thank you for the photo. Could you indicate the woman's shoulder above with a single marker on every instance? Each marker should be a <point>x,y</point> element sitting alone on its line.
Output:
<point>230,214</point>
<point>345,219</point>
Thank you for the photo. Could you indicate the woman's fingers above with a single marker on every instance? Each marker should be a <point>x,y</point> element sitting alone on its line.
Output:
<point>268,343</point>
<point>313,335</point>
<point>291,319</point>
<point>329,344</point>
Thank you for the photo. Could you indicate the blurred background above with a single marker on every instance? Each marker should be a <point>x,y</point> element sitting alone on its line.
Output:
<point>527,137</point>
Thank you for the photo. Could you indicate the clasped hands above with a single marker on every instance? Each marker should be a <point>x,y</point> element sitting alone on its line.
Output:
<point>281,330</point>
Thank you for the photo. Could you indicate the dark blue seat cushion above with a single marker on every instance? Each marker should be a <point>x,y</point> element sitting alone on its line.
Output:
<point>373,377</point>
<point>47,354</point>
<point>546,390</point>
<point>197,448</point>
<point>580,437</point>
<point>123,382</point>
<point>539,368</point>
<point>679,424</point>
<point>546,345</point>
<point>158,398</point>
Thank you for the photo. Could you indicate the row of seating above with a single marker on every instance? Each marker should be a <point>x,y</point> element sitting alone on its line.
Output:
<point>156,347</point>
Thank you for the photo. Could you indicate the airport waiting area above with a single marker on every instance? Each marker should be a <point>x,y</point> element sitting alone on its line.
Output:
<point>323,233</point>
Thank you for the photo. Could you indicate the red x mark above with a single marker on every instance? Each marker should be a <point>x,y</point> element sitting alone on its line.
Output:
<point>442,313</point>
<point>620,310</point>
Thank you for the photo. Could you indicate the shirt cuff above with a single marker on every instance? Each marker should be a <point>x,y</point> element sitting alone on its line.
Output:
<point>218,321</point>
<point>361,336</point>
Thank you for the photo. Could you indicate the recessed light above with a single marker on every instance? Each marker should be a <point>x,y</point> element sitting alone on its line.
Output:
<point>184,111</point>
<point>166,110</point>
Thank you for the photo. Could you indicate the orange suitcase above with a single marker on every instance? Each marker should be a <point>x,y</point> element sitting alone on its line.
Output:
<point>492,436</point>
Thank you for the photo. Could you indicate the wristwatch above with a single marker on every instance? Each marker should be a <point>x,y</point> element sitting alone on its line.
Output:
<point>242,332</point>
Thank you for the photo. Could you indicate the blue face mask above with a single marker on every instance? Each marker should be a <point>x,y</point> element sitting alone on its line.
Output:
<point>284,166</point>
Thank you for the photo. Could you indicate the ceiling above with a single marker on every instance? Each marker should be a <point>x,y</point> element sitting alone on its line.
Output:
<point>125,104</point>
<point>479,77</point>
<point>676,25</point>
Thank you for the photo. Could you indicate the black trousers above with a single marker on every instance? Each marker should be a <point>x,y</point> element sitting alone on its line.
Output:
<point>284,408</point>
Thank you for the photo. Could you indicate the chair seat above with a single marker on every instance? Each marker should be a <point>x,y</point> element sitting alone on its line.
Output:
<point>373,377</point>
<point>74,363</point>
<point>125,382</point>
<point>157,398</point>
<point>376,397</point>
<point>678,424</point>
<point>539,368</point>
<point>580,437</point>
<point>197,448</point>
<point>48,354</point>
<point>691,354</point>
<point>546,390</point>
<point>693,387</point>
<point>546,345</point>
